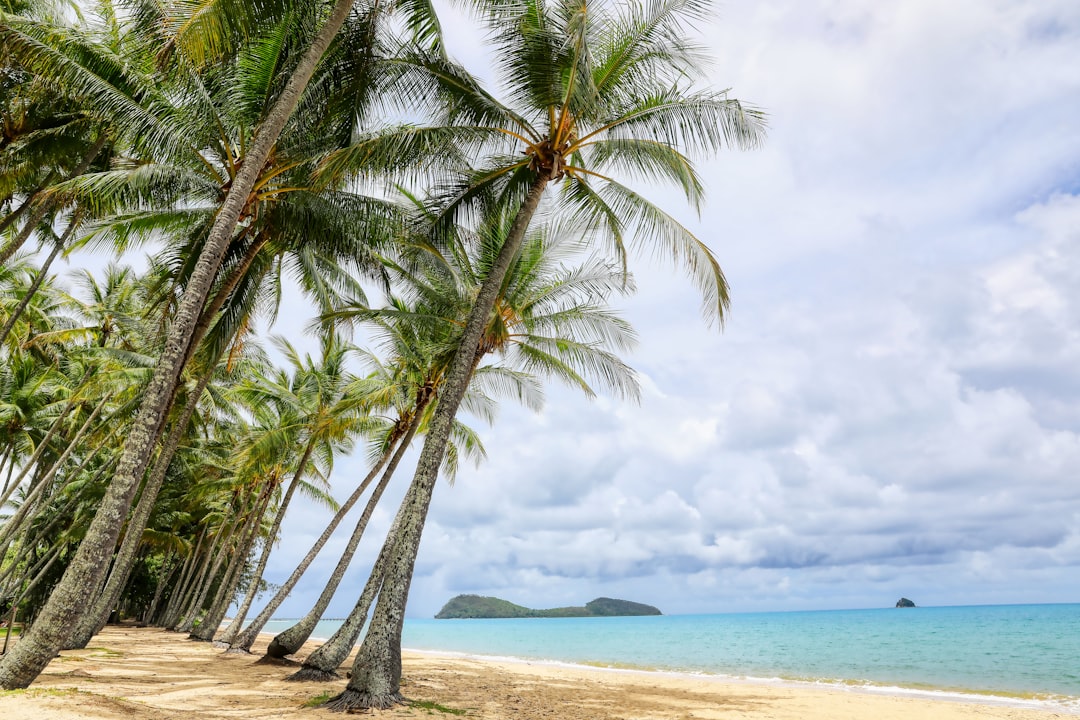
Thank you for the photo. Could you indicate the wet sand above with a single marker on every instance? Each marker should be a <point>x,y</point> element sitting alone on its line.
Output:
<point>150,674</point>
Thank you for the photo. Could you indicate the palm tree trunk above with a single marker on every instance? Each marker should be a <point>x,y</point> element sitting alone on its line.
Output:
<point>92,622</point>
<point>24,205</point>
<point>198,600</point>
<point>42,274</point>
<point>227,587</point>
<point>71,596</point>
<point>52,557</point>
<point>31,499</point>
<point>247,638</point>
<point>43,208</point>
<point>10,625</point>
<point>28,543</point>
<point>9,454</point>
<point>38,451</point>
<point>292,639</point>
<point>168,569</point>
<point>176,598</point>
<point>376,677</point>
<point>322,665</point>
<point>229,636</point>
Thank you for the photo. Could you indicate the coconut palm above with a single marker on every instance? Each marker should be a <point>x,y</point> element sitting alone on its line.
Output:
<point>594,89</point>
<point>551,320</point>
<point>329,415</point>
<point>83,576</point>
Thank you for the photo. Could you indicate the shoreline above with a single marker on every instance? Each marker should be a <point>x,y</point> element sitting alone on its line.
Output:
<point>1027,701</point>
<point>149,674</point>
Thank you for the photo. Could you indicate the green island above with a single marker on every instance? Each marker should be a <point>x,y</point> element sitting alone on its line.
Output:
<point>477,606</point>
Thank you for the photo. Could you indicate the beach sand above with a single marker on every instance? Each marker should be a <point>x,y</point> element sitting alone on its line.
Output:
<point>150,674</point>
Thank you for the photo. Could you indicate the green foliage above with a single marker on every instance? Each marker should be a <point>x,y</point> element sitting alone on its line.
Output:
<point>610,607</point>
<point>318,700</point>
<point>477,606</point>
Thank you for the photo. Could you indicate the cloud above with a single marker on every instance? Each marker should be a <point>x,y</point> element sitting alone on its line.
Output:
<point>894,406</point>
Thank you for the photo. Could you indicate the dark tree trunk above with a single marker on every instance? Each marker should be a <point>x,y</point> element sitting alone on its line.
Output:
<point>43,272</point>
<point>71,597</point>
<point>168,569</point>
<point>376,677</point>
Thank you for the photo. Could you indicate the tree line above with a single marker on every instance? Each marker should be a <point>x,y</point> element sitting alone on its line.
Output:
<point>149,445</point>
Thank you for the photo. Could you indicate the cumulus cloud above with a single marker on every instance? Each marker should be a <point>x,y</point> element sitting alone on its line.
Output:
<point>894,406</point>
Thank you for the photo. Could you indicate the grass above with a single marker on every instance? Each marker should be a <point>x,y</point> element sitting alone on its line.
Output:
<point>106,652</point>
<point>318,700</point>
<point>431,707</point>
<point>39,692</point>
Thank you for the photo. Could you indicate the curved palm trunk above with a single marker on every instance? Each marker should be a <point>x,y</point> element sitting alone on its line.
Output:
<point>42,484</point>
<point>322,664</point>
<point>198,600</point>
<point>227,587</point>
<point>23,206</point>
<point>175,606</point>
<point>247,638</point>
<point>376,676</point>
<point>70,405</point>
<point>43,272</point>
<point>229,636</point>
<point>290,640</point>
<point>27,544</point>
<point>71,596</point>
<point>168,569</point>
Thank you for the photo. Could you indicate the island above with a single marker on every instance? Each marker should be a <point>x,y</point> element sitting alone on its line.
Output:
<point>476,606</point>
<point>904,603</point>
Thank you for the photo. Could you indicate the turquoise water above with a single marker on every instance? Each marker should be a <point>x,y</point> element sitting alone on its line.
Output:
<point>1030,651</point>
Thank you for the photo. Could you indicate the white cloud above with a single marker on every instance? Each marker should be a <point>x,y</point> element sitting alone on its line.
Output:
<point>894,407</point>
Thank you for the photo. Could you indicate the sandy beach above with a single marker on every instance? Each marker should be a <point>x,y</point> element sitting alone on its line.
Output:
<point>150,674</point>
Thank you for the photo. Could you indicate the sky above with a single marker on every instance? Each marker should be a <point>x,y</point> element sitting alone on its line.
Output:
<point>893,406</point>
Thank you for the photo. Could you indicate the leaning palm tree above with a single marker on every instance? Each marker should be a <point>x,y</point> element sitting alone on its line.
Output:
<point>85,573</point>
<point>328,418</point>
<point>551,320</point>
<point>594,89</point>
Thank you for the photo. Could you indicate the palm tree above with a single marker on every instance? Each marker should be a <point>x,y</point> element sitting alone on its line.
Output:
<point>320,399</point>
<point>84,574</point>
<point>595,90</point>
<point>551,320</point>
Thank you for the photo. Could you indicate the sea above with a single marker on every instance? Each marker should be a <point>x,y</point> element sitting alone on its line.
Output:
<point>1014,654</point>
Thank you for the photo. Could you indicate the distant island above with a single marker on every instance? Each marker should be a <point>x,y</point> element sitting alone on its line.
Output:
<point>476,606</point>
<point>904,603</point>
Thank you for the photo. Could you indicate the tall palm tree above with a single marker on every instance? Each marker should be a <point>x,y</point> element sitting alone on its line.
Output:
<point>329,416</point>
<point>594,89</point>
<point>551,320</point>
<point>84,574</point>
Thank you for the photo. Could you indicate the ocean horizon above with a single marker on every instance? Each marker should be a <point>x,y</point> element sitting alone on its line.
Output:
<point>1021,654</point>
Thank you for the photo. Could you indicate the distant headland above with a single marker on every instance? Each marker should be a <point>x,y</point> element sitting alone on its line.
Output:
<point>476,606</point>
